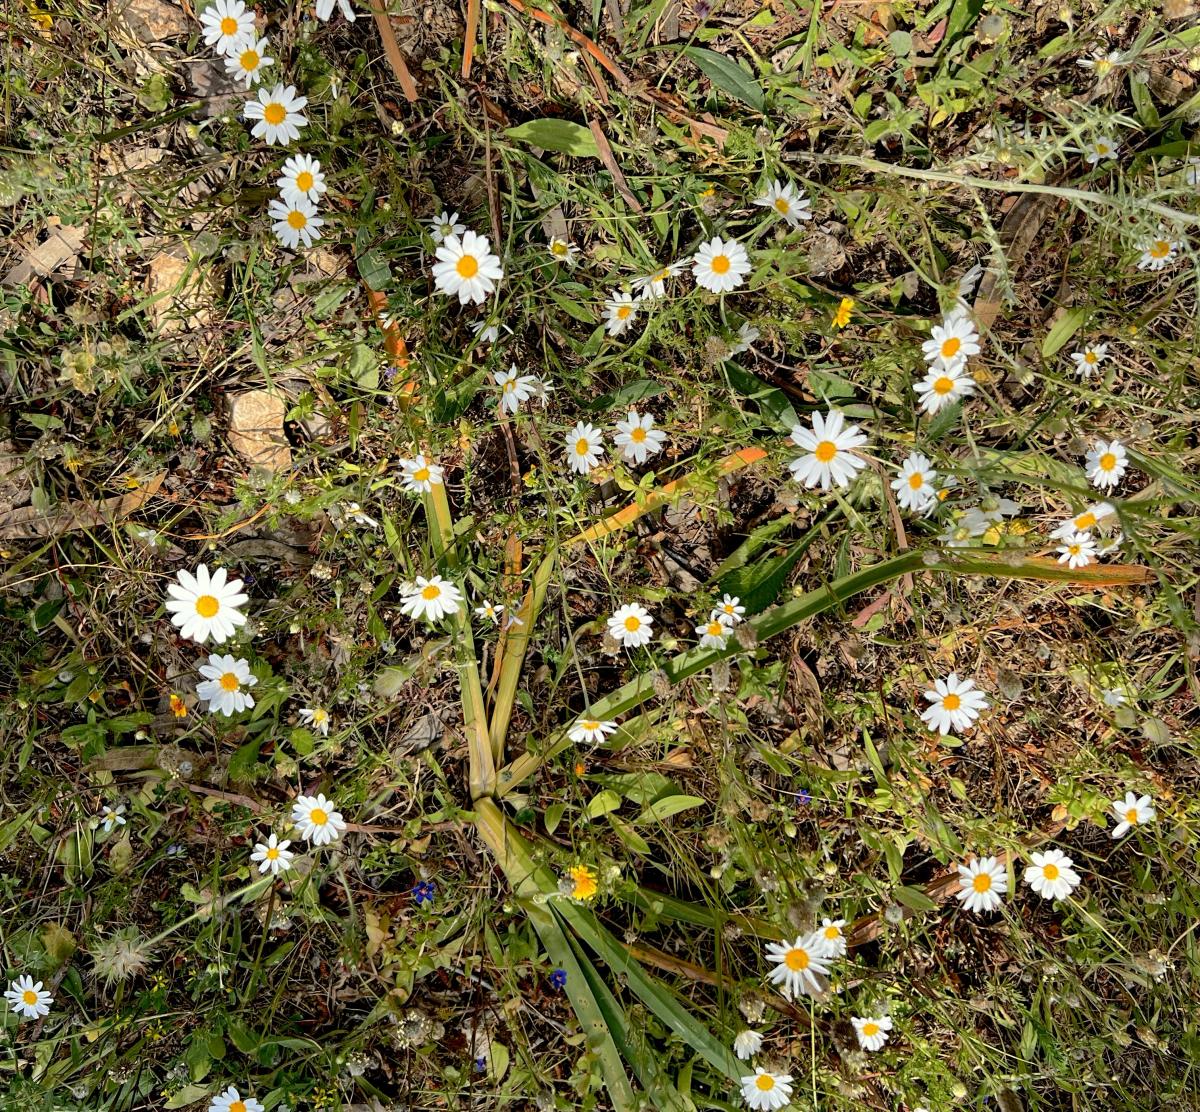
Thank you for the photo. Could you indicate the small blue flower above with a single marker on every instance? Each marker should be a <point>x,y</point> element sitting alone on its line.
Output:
<point>805,797</point>
<point>480,1064</point>
<point>423,892</point>
<point>559,978</point>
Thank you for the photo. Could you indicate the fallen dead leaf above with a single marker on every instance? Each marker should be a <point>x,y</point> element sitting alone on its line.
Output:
<point>60,247</point>
<point>256,429</point>
<point>28,522</point>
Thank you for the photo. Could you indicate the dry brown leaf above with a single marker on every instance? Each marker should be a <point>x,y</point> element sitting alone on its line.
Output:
<point>28,522</point>
<point>256,429</point>
<point>60,247</point>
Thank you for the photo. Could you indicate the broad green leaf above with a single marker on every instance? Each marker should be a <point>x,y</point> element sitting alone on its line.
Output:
<point>667,806</point>
<point>727,75</point>
<point>772,403</point>
<point>962,17</point>
<point>189,1094</point>
<point>602,803</point>
<point>1063,329</point>
<point>374,270</point>
<point>563,136</point>
<point>553,817</point>
<point>914,898</point>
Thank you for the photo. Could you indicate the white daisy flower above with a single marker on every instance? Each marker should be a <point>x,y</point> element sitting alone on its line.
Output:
<point>872,1031</point>
<point>278,114</point>
<point>1104,147</point>
<point>952,342</point>
<point>446,225</point>
<point>1133,810</point>
<point>1106,463</point>
<point>248,61</point>
<point>491,611</point>
<point>942,387</point>
<point>964,532</point>
<point>653,286</point>
<point>784,199</point>
<point>317,819</point>
<point>232,1101</point>
<point>111,817</point>
<point>591,730</point>
<point>915,487</point>
<point>1113,697</point>
<point>829,445</point>
<point>561,251</point>
<point>619,312</point>
<point>747,336</point>
<point>637,437</point>
<point>296,222</point>
<point>585,446</point>
<point>956,705</point>
<point>488,332</point>
<point>205,606</point>
<point>27,998</point>
<point>765,1091</point>
<point>432,599</point>
<point>714,633</point>
<point>227,24</point>
<point>325,10</point>
<point>273,856</point>
<point>515,388</point>
<point>1052,875</point>
<point>356,515</point>
<point>1078,551</point>
<point>1157,252</point>
<point>1088,361</point>
<point>835,941</point>
<point>729,609</point>
<point>1102,64</point>
<point>746,1044</point>
<point>225,684</point>
<point>720,265</point>
<point>302,179</point>
<point>419,475</point>
<point>1084,522</point>
<point>631,625</point>
<point>982,884</point>
<point>316,717</point>
<point>798,964</point>
<point>466,267</point>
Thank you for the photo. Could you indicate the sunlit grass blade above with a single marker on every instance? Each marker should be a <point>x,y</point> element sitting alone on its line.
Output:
<point>829,597</point>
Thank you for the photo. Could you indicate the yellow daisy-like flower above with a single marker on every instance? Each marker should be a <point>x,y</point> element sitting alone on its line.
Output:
<point>584,880</point>
<point>841,317</point>
<point>178,706</point>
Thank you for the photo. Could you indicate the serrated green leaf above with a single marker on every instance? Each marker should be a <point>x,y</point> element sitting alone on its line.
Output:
<point>562,136</point>
<point>727,75</point>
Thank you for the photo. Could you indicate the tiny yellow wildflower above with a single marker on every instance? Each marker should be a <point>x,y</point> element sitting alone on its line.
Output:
<point>842,317</point>
<point>584,880</point>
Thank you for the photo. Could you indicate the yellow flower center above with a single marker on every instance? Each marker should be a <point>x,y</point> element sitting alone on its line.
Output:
<point>720,264</point>
<point>782,206</point>
<point>29,996</point>
<point>207,606</point>
<point>229,25</point>
<point>1102,66</point>
<point>633,623</point>
<point>1050,872</point>
<point>916,480</point>
<point>870,1029</point>
<point>825,451</point>
<point>591,724</point>
<point>623,312</point>
<point>304,181</point>
<point>715,629</point>
<point>582,446</point>
<point>421,475</point>
<point>230,682</point>
<point>297,219</point>
<point>1085,521</point>
<point>238,1106</point>
<point>1108,461</point>
<point>1089,357</point>
<point>559,249</point>
<point>1160,249</point>
<point>950,347</point>
<point>467,266</point>
<point>272,853</point>
<point>274,113</point>
<point>431,592</point>
<point>1102,148</point>
<point>1131,816</point>
<point>319,717</point>
<point>982,882</point>
<point>832,932</point>
<point>510,385</point>
<point>637,435</point>
<point>943,385</point>
<point>951,702</point>
<point>796,959</point>
<point>1073,550</point>
<point>249,60</point>
<point>318,817</point>
<point>764,1083</point>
